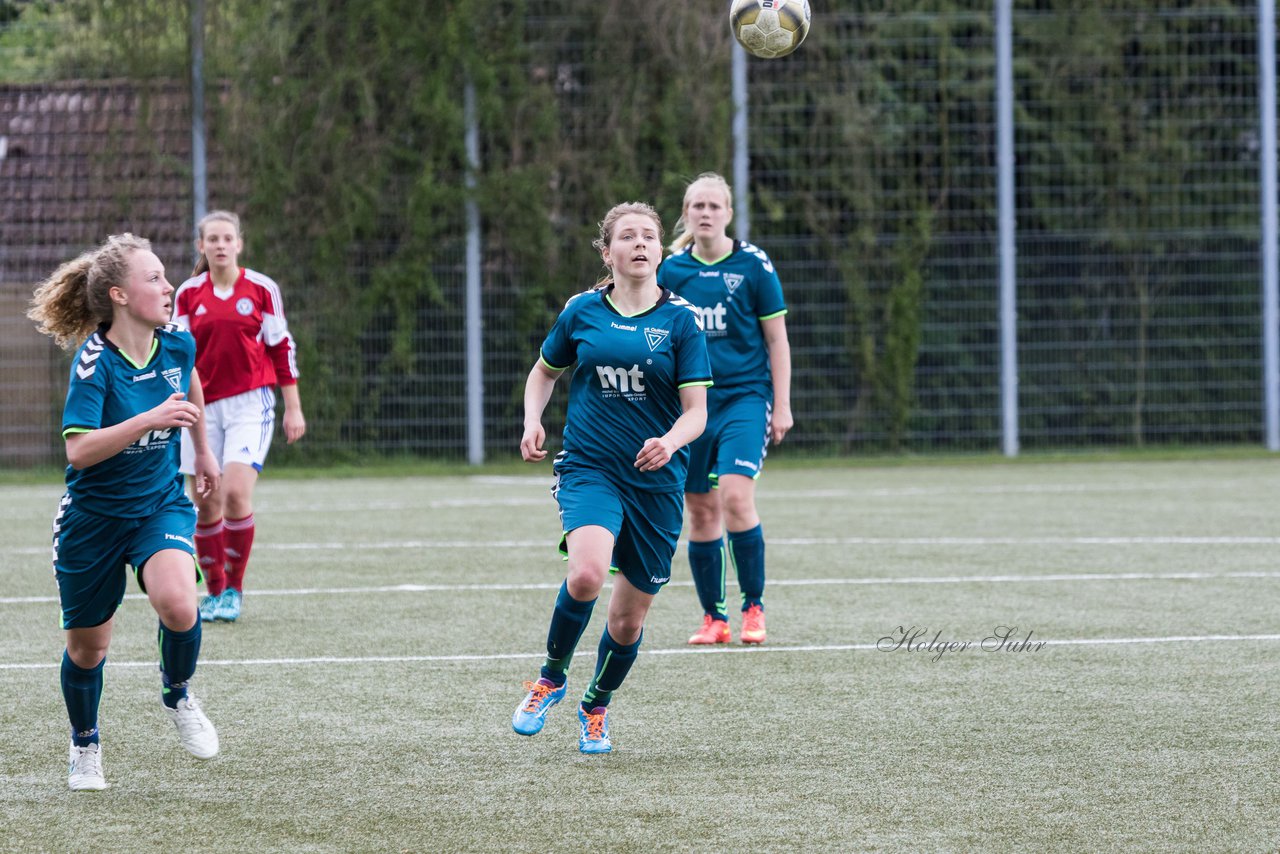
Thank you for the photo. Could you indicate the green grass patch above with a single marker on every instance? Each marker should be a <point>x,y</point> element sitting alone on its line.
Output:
<point>364,700</point>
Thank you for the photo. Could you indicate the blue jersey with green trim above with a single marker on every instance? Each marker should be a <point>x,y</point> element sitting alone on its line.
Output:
<point>107,388</point>
<point>626,387</point>
<point>733,294</point>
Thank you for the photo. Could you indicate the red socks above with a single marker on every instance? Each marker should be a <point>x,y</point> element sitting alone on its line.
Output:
<point>237,539</point>
<point>212,556</point>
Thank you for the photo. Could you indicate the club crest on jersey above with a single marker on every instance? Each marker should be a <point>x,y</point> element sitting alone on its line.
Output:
<point>201,310</point>
<point>731,281</point>
<point>173,376</point>
<point>244,306</point>
<point>655,337</point>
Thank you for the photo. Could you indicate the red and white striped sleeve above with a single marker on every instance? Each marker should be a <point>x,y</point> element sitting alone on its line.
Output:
<point>279,344</point>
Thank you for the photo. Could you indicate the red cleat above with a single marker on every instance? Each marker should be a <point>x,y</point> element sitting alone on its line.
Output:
<point>712,631</point>
<point>753,625</point>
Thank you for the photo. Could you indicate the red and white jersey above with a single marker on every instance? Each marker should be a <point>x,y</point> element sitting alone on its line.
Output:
<point>242,340</point>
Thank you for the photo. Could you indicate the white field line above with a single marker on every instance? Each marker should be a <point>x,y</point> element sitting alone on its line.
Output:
<point>284,503</point>
<point>773,582</point>
<point>546,542</point>
<point>287,506</point>
<point>725,650</point>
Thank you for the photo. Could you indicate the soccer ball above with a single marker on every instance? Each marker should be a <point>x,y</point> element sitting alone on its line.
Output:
<point>769,28</point>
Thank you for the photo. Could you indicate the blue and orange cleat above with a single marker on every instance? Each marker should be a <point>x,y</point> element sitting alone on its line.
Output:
<point>532,712</point>
<point>595,730</point>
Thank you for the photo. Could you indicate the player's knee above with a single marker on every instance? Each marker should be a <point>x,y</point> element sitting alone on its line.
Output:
<point>739,508</point>
<point>86,653</point>
<point>177,613</point>
<point>208,508</point>
<point>586,578</point>
<point>626,628</point>
<point>238,503</point>
<point>704,511</point>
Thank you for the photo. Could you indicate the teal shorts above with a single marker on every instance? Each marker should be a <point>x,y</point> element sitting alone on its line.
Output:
<point>90,554</point>
<point>645,525</point>
<point>735,442</point>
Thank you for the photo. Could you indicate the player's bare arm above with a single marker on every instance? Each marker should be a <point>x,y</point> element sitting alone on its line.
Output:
<point>775,337</point>
<point>658,451</point>
<point>537,391</point>
<point>91,448</point>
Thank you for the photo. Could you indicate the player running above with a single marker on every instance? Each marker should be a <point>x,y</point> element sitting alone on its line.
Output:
<point>133,385</point>
<point>636,399</point>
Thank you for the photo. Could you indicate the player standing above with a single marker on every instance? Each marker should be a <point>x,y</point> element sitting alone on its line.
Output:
<point>132,386</point>
<point>737,290</point>
<point>637,398</point>
<point>243,350</point>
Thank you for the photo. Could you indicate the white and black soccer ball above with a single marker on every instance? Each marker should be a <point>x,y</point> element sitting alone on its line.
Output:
<point>769,28</point>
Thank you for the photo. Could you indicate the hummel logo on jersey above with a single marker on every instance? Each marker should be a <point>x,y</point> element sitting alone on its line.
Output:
<point>759,253</point>
<point>620,326</point>
<point>201,310</point>
<point>92,350</point>
<point>149,375</point>
<point>655,337</point>
<point>713,318</point>
<point>732,280</point>
<point>621,379</point>
<point>173,376</point>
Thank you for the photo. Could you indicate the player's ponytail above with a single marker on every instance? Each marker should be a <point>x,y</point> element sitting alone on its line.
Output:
<point>202,263</point>
<point>684,234</point>
<point>72,302</point>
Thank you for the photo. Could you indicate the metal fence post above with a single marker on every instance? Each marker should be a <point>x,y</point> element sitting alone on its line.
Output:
<point>475,320</point>
<point>741,145</point>
<point>1008,228</point>
<point>1267,191</point>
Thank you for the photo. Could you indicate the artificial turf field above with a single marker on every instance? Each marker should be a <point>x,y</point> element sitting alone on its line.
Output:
<point>364,699</point>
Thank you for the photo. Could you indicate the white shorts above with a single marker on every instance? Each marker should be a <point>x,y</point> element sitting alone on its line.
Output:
<point>239,429</point>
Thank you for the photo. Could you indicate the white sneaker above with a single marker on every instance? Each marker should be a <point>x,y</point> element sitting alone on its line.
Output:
<point>84,773</point>
<point>194,729</point>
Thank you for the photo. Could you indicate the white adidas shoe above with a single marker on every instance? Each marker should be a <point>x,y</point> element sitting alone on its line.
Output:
<point>84,772</point>
<point>194,729</point>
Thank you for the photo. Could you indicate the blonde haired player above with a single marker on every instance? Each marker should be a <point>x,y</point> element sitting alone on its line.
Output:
<point>735,286</point>
<point>132,385</point>
<point>243,351</point>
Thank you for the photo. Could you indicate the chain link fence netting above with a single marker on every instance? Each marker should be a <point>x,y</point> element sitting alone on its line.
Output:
<point>337,130</point>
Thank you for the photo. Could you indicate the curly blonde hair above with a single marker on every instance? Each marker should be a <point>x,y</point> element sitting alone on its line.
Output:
<point>72,302</point>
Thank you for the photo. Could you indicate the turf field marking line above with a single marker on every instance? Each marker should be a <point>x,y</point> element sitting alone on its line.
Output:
<point>726,650</point>
<point>779,541</point>
<point>994,489</point>
<point>778,582</point>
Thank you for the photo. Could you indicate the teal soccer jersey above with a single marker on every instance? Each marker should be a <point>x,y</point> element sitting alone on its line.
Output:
<point>626,387</point>
<point>107,388</point>
<point>733,295</point>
